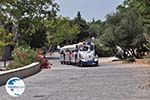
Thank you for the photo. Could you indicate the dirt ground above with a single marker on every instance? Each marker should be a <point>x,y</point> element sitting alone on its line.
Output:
<point>117,61</point>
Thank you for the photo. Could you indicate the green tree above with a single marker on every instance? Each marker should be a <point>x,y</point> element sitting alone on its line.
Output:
<point>124,29</point>
<point>28,16</point>
<point>61,31</point>
<point>83,27</point>
<point>96,28</point>
<point>143,7</point>
<point>5,38</point>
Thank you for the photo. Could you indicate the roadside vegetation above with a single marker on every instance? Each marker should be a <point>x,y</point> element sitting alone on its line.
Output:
<point>125,33</point>
<point>23,56</point>
<point>35,23</point>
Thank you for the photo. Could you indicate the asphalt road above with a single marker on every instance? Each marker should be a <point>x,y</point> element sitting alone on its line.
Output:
<point>105,82</point>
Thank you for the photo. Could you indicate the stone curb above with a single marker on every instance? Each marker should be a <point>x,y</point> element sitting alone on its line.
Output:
<point>22,72</point>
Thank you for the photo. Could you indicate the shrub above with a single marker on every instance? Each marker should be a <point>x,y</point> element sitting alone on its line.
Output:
<point>147,58</point>
<point>21,57</point>
<point>43,61</point>
<point>130,60</point>
<point>24,56</point>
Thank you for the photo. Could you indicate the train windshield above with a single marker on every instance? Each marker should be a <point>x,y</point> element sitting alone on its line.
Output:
<point>84,48</point>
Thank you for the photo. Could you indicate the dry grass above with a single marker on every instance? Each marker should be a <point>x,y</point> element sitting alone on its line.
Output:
<point>142,61</point>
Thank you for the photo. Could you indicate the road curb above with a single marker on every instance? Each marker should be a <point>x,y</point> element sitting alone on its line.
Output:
<point>22,72</point>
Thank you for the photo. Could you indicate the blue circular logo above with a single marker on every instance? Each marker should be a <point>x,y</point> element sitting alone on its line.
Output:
<point>15,87</point>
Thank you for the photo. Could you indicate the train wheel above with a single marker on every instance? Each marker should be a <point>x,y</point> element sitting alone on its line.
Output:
<point>81,64</point>
<point>61,62</point>
<point>64,62</point>
<point>96,63</point>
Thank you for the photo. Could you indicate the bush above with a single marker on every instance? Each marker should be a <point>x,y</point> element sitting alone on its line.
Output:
<point>43,61</point>
<point>130,59</point>
<point>147,58</point>
<point>21,57</point>
<point>24,56</point>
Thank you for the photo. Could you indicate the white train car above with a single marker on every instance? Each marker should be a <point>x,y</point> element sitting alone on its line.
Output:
<point>81,54</point>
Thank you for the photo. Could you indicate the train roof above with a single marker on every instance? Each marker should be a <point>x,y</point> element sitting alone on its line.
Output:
<point>70,47</point>
<point>73,46</point>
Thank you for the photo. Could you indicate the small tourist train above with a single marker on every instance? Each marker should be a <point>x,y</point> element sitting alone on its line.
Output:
<point>81,54</point>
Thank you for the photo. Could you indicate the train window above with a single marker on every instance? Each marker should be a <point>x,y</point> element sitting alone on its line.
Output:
<point>91,47</point>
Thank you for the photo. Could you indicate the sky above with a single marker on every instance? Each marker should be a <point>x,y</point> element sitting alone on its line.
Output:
<point>89,9</point>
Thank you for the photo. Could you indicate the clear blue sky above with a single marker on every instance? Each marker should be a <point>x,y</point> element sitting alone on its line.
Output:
<point>89,9</point>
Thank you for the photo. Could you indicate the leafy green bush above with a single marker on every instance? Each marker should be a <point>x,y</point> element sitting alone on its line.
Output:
<point>130,60</point>
<point>147,58</point>
<point>24,56</point>
<point>21,57</point>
